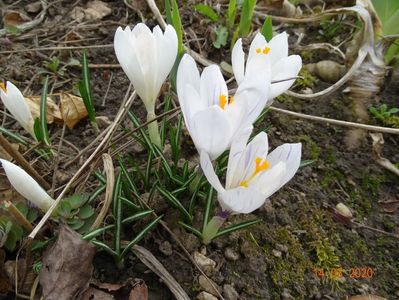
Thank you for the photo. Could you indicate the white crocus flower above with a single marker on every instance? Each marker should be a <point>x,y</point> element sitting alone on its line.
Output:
<point>15,103</point>
<point>24,184</point>
<point>253,175</point>
<point>282,65</point>
<point>211,116</point>
<point>147,58</point>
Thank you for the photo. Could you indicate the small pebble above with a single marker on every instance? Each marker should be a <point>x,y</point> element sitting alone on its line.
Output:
<point>206,296</point>
<point>206,264</point>
<point>276,253</point>
<point>344,210</point>
<point>285,295</point>
<point>231,254</point>
<point>34,7</point>
<point>208,285</point>
<point>282,248</point>
<point>166,248</point>
<point>230,293</point>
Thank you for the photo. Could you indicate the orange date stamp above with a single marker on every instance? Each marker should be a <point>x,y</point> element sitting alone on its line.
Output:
<point>339,272</point>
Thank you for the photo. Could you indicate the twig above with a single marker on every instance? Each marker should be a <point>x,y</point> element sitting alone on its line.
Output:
<point>57,159</point>
<point>23,162</point>
<point>109,171</point>
<point>31,24</point>
<point>337,122</point>
<point>108,87</point>
<point>20,218</point>
<point>124,107</point>
<point>57,48</point>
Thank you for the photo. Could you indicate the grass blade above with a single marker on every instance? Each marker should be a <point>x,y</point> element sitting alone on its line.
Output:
<point>105,247</point>
<point>175,203</point>
<point>190,229</point>
<point>141,235</point>
<point>208,208</point>
<point>43,119</point>
<point>85,91</point>
<point>231,13</point>
<point>237,227</point>
<point>247,11</point>
<point>267,29</point>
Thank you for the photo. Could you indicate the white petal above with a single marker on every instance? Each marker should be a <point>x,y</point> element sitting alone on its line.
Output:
<point>259,41</point>
<point>15,102</point>
<point>187,73</point>
<point>290,154</point>
<point>237,148</point>
<point>278,47</point>
<point>166,51</point>
<point>125,51</point>
<point>146,52</point>
<point>190,103</point>
<point>211,131</point>
<point>209,172</point>
<point>212,85</point>
<point>24,184</point>
<point>140,28</point>
<point>258,147</point>
<point>241,200</point>
<point>286,68</point>
<point>271,180</point>
<point>254,89</point>
<point>238,61</point>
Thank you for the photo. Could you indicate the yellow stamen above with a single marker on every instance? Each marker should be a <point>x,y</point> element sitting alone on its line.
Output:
<point>261,164</point>
<point>3,86</point>
<point>231,100</point>
<point>258,50</point>
<point>222,101</point>
<point>266,50</point>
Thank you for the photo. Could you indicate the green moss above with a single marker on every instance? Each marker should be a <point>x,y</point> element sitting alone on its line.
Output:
<point>331,176</point>
<point>372,183</point>
<point>307,80</point>
<point>311,146</point>
<point>289,270</point>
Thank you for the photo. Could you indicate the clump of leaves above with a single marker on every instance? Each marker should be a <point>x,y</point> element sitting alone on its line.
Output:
<point>386,116</point>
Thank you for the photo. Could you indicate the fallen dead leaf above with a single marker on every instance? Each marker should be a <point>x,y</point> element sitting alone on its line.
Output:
<point>5,285</point>
<point>53,113</point>
<point>96,10</point>
<point>378,141</point>
<point>14,18</point>
<point>4,154</point>
<point>390,206</point>
<point>367,297</point>
<point>95,294</point>
<point>67,266</point>
<point>25,273</point>
<point>72,109</point>
<point>139,291</point>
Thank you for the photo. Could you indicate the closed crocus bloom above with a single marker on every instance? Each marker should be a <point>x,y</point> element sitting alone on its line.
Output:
<point>211,116</point>
<point>147,58</point>
<point>253,175</point>
<point>282,65</point>
<point>24,184</point>
<point>15,103</point>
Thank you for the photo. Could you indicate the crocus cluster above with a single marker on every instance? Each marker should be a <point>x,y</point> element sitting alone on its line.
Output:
<point>216,120</point>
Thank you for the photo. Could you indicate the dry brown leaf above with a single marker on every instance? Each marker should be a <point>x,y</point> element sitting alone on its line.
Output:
<point>53,113</point>
<point>95,294</point>
<point>139,291</point>
<point>67,266</point>
<point>96,10</point>
<point>367,297</point>
<point>72,109</point>
<point>14,18</point>
<point>378,141</point>
<point>4,154</point>
<point>5,284</point>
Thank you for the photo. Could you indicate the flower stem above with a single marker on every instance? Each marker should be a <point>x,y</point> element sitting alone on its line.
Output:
<point>153,130</point>
<point>212,228</point>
